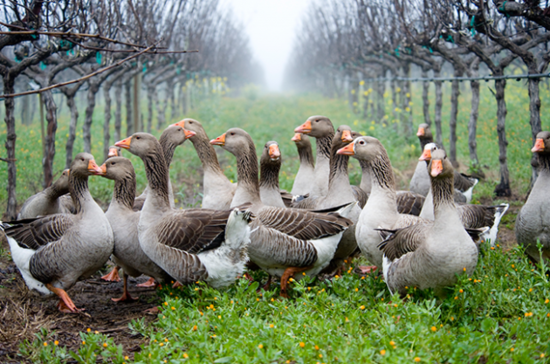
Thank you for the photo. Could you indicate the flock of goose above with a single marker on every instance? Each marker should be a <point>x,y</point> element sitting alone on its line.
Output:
<point>423,237</point>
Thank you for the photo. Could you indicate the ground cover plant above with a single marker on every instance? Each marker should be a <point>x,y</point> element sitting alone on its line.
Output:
<point>500,314</point>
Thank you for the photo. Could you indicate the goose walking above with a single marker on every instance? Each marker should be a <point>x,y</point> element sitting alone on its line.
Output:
<point>189,245</point>
<point>54,252</point>
<point>284,241</point>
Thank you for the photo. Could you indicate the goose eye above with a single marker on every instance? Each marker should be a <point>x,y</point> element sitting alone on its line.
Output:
<point>232,134</point>
<point>138,137</point>
<point>113,163</point>
<point>82,159</point>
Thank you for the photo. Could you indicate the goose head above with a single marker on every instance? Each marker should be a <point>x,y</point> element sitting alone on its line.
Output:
<point>365,148</point>
<point>440,166</point>
<point>316,126</point>
<point>343,137</point>
<point>424,132</point>
<point>542,143</point>
<point>191,125</point>
<point>117,168</point>
<point>114,151</point>
<point>427,152</point>
<point>235,141</point>
<point>271,153</point>
<point>62,183</point>
<point>175,135</point>
<point>140,144</point>
<point>301,140</point>
<point>84,165</point>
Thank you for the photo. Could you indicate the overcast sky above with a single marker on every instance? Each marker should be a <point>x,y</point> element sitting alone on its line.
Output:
<point>271,25</point>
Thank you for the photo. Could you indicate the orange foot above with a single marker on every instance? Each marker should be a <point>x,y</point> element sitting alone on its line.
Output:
<point>152,311</point>
<point>150,283</point>
<point>177,284</point>
<point>125,297</point>
<point>112,276</point>
<point>249,277</point>
<point>65,304</point>
<point>363,269</point>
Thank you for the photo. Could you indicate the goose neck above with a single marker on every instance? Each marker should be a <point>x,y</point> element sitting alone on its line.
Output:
<point>54,192</point>
<point>381,173</point>
<point>442,191</point>
<point>306,155</point>
<point>206,153</point>
<point>247,174</point>
<point>125,192</point>
<point>544,163</point>
<point>80,194</point>
<point>338,170</point>
<point>156,170</point>
<point>324,146</point>
<point>269,175</point>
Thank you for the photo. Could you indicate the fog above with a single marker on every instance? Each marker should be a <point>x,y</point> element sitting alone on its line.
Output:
<point>271,25</point>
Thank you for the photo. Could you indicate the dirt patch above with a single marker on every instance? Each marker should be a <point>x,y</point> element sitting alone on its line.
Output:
<point>23,313</point>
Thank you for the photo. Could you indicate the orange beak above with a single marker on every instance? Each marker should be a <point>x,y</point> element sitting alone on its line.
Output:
<point>125,144</point>
<point>539,146</point>
<point>68,172</point>
<point>103,169</point>
<point>179,123</point>
<point>219,140</point>
<point>420,132</point>
<point>305,128</point>
<point>274,152</point>
<point>113,152</point>
<point>188,133</point>
<point>426,155</point>
<point>347,150</point>
<point>346,136</point>
<point>437,168</point>
<point>297,137</point>
<point>94,168</point>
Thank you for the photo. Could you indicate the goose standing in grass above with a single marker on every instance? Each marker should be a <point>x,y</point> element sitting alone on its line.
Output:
<point>127,252</point>
<point>533,220</point>
<point>306,172</point>
<point>284,241</point>
<point>472,216</point>
<point>54,252</point>
<point>53,200</point>
<point>381,208</point>
<point>321,128</point>
<point>432,254</point>
<point>270,164</point>
<point>189,245</point>
<point>170,138</point>
<point>218,191</point>
<point>420,181</point>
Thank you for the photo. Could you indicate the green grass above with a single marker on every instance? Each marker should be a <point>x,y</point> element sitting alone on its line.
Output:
<point>500,314</point>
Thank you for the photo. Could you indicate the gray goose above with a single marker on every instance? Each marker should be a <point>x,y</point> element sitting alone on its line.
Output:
<point>533,220</point>
<point>124,221</point>
<point>321,128</point>
<point>170,138</point>
<point>285,241</point>
<point>381,208</point>
<point>431,255</point>
<point>270,164</point>
<point>54,252</point>
<point>420,181</point>
<point>218,190</point>
<point>472,216</point>
<point>306,172</point>
<point>53,200</point>
<point>189,245</point>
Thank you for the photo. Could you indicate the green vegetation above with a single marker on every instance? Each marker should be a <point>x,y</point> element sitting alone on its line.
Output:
<point>500,314</point>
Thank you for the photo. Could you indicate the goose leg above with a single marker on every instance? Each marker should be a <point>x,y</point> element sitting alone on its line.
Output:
<point>267,284</point>
<point>150,283</point>
<point>126,295</point>
<point>65,304</point>
<point>289,273</point>
<point>112,276</point>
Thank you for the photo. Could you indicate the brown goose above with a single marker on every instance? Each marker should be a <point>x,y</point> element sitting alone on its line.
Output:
<point>533,220</point>
<point>430,255</point>
<point>170,138</point>
<point>306,172</point>
<point>284,241</point>
<point>53,200</point>
<point>218,190</point>
<point>472,216</point>
<point>124,220</point>
<point>270,164</point>
<point>381,208</point>
<point>54,252</point>
<point>420,181</point>
<point>319,127</point>
<point>189,245</point>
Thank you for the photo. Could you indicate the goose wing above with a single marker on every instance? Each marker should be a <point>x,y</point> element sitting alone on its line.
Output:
<point>303,224</point>
<point>37,232</point>
<point>409,202</point>
<point>397,243</point>
<point>194,231</point>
